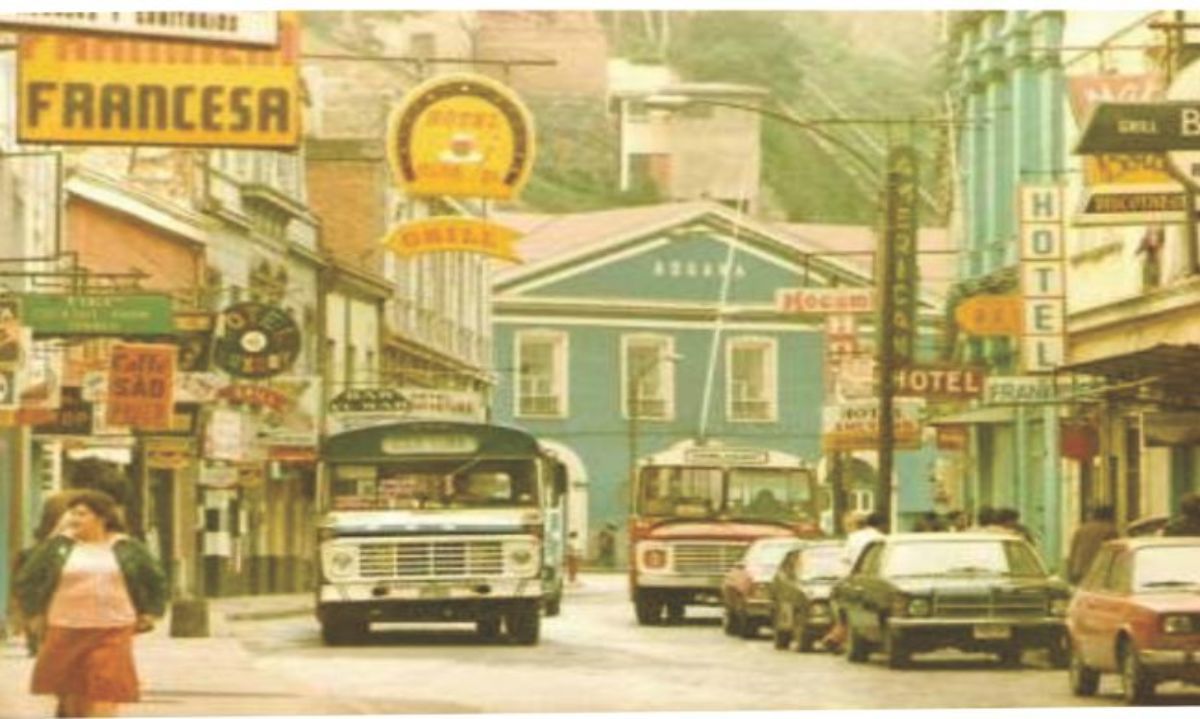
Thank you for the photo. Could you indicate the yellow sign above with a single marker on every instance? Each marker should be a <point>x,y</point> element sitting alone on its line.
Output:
<point>90,89</point>
<point>453,234</point>
<point>991,315</point>
<point>1127,169</point>
<point>461,136</point>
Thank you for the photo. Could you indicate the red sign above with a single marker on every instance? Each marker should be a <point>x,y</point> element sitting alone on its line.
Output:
<point>825,300</point>
<point>256,396</point>
<point>953,438</point>
<point>141,381</point>
<point>939,382</point>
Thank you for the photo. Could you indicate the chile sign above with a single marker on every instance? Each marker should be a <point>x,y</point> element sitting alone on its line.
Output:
<point>461,136</point>
<point>258,341</point>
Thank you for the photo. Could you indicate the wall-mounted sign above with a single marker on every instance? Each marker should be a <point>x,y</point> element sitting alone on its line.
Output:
<point>234,28</point>
<point>198,386</point>
<point>852,426</point>
<point>258,340</point>
<point>1185,156</point>
<point>169,452</point>
<point>841,336</point>
<point>939,383</point>
<point>825,300</point>
<point>1043,276</point>
<point>991,315</point>
<point>255,395</point>
<point>296,427</point>
<point>72,417</point>
<point>453,234</point>
<point>366,406</point>
<point>461,136</point>
<point>897,253</point>
<point>369,400</point>
<point>141,387</point>
<point>1143,126</point>
<point>117,90</point>
<point>1025,389</point>
<point>112,315</point>
<point>953,438</point>
<point>225,435</point>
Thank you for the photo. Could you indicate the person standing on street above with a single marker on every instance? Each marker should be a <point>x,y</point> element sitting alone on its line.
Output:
<point>867,529</point>
<point>1187,524</point>
<point>53,509</point>
<point>96,587</point>
<point>606,546</point>
<point>574,555</point>
<point>1086,541</point>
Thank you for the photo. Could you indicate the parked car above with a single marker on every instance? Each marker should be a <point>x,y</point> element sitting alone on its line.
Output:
<point>977,592</point>
<point>745,589</point>
<point>800,609</point>
<point>1137,613</point>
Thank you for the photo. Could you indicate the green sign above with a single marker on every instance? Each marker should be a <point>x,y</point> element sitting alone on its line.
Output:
<point>1141,127</point>
<point>116,315</point>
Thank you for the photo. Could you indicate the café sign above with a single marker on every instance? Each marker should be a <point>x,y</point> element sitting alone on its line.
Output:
<point>258,341</point>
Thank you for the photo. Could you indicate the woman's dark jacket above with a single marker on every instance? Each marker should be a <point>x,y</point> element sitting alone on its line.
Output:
<point>39,575</point>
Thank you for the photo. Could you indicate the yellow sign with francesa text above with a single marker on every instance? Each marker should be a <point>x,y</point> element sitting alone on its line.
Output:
<point>461,136</point>
<point>92,89</point>
<point>453,234</point>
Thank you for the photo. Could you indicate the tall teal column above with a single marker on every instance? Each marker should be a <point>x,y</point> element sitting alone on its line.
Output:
<point>1020,492</point>
<point>1052,492</point>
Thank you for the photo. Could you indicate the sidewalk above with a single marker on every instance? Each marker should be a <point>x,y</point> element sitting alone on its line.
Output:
<point>211,676</point>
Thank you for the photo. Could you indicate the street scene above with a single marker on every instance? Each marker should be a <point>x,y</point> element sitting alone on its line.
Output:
<point>392,361</point>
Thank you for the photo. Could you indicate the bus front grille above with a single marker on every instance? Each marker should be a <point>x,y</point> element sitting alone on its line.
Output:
<point>709,558</point>
<point>422,559</point>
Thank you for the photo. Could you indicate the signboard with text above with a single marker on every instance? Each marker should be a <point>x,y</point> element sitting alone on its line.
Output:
<point>114,315</point>
<point>1185,156</point>
<point>854,425</point>
<point>939,383</point>
<point>990,315</point>
<point>1042,276</point>
<point>1027,389</point>
<point>898,252</point>
<point>461,135</point>
<point>85,89</point>
<point>141,381</point>
<point>453,234</point>
<point>825,300</point>
<point>235,28</point>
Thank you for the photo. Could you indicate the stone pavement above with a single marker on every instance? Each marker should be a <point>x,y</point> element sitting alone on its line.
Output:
<point>213,676</point>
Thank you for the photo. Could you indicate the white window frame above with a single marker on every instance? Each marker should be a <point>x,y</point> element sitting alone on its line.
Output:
<point>561,379</point>
<point>667,367</point>
<point>771,372</point>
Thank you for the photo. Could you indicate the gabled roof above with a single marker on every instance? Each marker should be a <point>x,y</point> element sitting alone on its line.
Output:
<point>549,240</point>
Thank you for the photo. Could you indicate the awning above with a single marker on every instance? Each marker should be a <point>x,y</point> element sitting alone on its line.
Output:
<point>1171,364</point>
<point>981,415</point>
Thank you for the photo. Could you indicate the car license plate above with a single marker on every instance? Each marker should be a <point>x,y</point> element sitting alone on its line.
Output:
<point>993,631</point>
<point>435,592</point>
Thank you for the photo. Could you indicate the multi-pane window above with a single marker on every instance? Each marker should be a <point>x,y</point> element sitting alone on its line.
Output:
<point>648,377</point>
<point>751,379</point>
<point>541,368</point>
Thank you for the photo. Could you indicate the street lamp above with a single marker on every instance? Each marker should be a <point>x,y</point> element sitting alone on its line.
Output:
<point>885,274</point>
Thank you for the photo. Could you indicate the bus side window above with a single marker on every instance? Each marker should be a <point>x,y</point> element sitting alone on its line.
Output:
<point>560,480</point>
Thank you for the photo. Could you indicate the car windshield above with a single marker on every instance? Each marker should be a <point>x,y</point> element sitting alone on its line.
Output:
<point>975,558</point>
<point>1165,568</point>
<point>778,493</point>
<point>435,484</point>
<point>823,563</point>
<point>680,491</point>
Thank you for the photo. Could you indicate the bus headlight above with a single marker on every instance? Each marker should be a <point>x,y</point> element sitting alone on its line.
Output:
<point>341,562</point>
<point>653,557</point>
<point>520,557</point>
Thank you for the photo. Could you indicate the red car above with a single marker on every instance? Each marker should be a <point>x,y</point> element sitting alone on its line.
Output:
<point>1137,613</point>
<point>746,588</point>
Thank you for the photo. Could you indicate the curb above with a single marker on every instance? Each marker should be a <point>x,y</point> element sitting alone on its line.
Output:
<point>267,614</point>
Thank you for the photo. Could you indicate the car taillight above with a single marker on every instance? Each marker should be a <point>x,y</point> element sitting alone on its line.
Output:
<point>655,559</point>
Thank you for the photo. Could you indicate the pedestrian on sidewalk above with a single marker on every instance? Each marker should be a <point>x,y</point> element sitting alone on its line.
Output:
<point>574,555</point>
<point>96,587</point>
<point>53,509</point>
<point>606,546</point>
<point>1088,538</point>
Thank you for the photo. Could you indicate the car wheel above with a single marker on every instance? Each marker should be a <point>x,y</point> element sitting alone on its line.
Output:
<point>1010,655</point>
<point>1136,686</point>
<point>898,653</point>
<point>524,623</point>
<point>648,610</point>
<point>857,650</point>
<point>1084,681</point>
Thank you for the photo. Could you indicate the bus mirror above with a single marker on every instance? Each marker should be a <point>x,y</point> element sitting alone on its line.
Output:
<point>560,479</point>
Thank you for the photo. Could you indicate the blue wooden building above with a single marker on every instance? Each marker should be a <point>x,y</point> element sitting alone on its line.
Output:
<point>666,311</point>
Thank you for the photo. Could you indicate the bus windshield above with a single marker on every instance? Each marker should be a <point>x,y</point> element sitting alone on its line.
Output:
<point>777,493</point>
<point>435,484</point>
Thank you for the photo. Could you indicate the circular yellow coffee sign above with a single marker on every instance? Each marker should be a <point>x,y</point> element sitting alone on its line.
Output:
<point>461,136</point>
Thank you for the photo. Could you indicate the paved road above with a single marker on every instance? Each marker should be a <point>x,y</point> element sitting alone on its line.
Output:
<point>594,657</point>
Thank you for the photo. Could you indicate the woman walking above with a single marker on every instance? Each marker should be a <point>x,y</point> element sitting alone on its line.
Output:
<point>96,587</point>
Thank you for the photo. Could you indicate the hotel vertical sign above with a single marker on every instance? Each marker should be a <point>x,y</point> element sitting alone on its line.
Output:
<point>1043,277</point>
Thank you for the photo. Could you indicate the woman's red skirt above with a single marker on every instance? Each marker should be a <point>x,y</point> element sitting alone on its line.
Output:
<point>93,663</point>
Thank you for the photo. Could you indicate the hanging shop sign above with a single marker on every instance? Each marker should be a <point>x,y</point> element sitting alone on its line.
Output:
<point>73,416</point>
<point>939,383</point>
<point>369,400</point>
<point>953,438</point>
<point>127,91</point>
<point>854,425</point>
<point>461,135</point>
<point>198,386</point>
<point>256,396</point>
<point>225,435</point>
<point>297,427</point>
<point>141,382</point>
<point>193,336</point>
<point>1043,277</point>
<point>1036,389</point>
<point>1144,126</point>
<point>898,253</point>
<point>258,341</point>
<point>232,28</point>
<point>990,315</point>
<point>92,315</point>
<point>1185,155</point>
<point>172,453</point>
<point>453,234</point>
<point>841,336</point>
<point>825,300</point>
<point>218,476</point>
